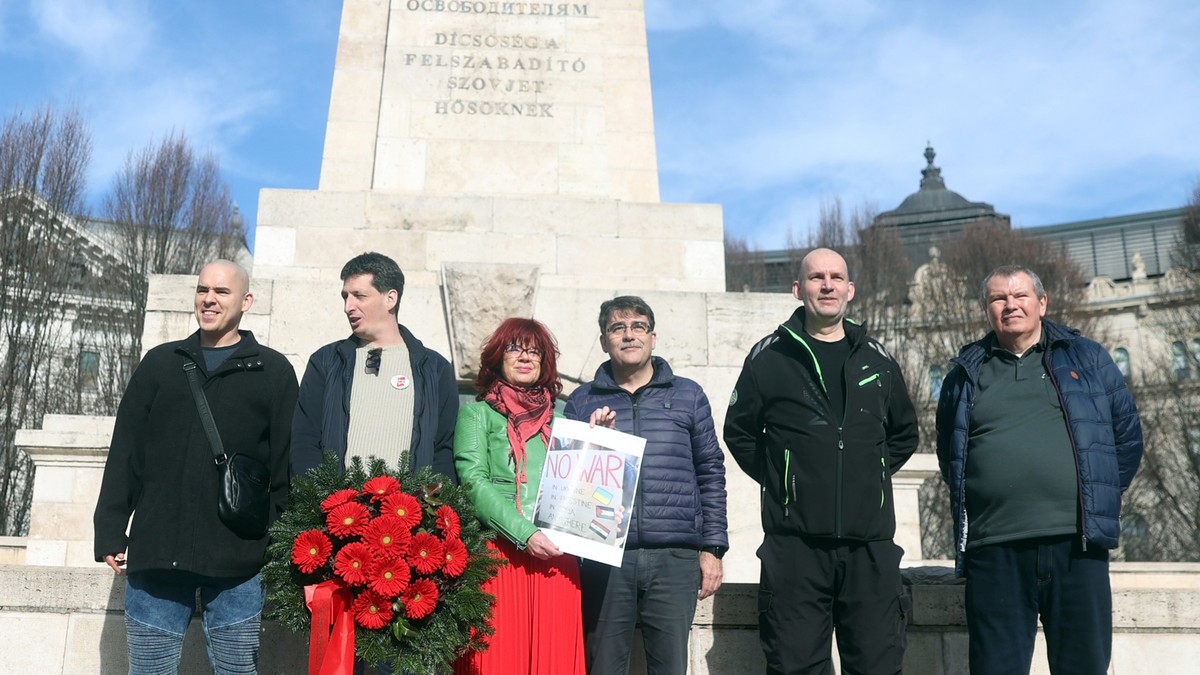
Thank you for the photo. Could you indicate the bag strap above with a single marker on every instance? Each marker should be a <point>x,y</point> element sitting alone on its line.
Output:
<point>210,426</point>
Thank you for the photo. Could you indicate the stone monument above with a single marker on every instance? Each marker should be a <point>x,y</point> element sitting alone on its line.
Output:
<point>503,153</point>
<point>466,133</point>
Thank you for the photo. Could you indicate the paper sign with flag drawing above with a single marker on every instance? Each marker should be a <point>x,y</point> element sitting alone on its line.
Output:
<point>588,485</point>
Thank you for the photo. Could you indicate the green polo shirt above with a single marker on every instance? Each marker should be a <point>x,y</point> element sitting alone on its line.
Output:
<point>1021,476</point>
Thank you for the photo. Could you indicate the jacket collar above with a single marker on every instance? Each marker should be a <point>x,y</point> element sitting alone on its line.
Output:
<point>1053,335</point>
<point>663,376</point>
<point>190,346</point>
<point>416,348</point>
<point>794,326</point>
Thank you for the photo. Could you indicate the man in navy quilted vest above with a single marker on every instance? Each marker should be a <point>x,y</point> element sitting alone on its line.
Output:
<point>1037,437</point>
<point>676,527</point>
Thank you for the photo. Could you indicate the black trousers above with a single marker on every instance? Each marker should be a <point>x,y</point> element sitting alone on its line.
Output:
<point>810,587</point>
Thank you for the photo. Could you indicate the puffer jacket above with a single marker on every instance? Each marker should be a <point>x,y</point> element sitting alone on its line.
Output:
<point>323,411</point>
<point>822,476</point>
<point>681,493</point>
<point>1102,423</point>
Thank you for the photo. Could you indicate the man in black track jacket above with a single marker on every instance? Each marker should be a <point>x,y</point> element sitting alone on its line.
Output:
<point>821,418</point>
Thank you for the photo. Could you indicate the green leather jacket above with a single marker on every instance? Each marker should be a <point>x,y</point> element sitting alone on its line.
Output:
<point>484,460</point>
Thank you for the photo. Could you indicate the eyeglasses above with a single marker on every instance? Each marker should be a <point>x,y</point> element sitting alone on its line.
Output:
<point>638,328</point>
<point>516,350</point>
<point>374,356</point>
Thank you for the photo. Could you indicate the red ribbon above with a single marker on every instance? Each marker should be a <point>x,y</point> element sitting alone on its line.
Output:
<point>331,644</point>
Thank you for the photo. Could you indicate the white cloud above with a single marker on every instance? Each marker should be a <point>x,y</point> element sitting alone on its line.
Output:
<point>1029,104</point>
<point>215,114</point>
<point>104,33</point>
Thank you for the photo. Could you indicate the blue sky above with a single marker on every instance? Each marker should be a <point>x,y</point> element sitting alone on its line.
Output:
<point>1051,111</point>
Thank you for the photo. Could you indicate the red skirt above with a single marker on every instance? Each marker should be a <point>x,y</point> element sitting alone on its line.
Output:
<point>539,627</point>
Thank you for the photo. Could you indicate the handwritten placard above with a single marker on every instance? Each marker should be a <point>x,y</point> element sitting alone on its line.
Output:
<point>588,487</point>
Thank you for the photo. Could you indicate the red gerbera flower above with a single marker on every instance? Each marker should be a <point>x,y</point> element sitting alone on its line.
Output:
<point>354,563</point>
<point>420,599</point>
<point>405,507</point>
<point>448,522</point>
<point>347,520</point>
<point>389,578</point>
<point>337,499</point>
<point>380,487</point>
<point>426,553</point>
<point>310,550</point>
<point>456,558</point>
<point>387,536</point>
<point>372,610</point>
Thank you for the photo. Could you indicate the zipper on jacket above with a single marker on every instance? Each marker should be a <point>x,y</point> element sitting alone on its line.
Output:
<point>637,431</point>
<point>789,481</point>
<point>838,491</point>
<point>811,355</point>
<point>960,505</point>
<point>883,471</point>
<point>1074,447</point>
<point>882,481</point>
<point>837,514</point>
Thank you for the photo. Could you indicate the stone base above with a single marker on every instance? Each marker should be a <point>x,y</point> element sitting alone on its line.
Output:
<point>69,620</point>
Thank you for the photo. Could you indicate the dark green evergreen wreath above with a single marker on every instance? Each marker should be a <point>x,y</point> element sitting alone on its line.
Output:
<point>426,645</point>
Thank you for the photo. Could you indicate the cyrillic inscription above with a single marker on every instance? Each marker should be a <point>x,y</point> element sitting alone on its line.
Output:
<point>504,8</point>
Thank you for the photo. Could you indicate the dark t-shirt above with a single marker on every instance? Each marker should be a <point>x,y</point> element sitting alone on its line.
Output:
<point>215,356</point>
<point>831,358</point>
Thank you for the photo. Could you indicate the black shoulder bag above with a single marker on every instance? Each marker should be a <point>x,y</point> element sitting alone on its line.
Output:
<point>244,498</point>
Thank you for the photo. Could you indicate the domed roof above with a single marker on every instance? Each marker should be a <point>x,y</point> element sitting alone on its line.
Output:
<point>933,202</point>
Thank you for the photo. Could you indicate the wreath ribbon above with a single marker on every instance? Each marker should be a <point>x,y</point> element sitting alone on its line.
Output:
<point>331,644</point>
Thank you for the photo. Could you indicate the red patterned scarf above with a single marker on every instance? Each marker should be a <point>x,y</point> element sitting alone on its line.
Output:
<point>529,412</point>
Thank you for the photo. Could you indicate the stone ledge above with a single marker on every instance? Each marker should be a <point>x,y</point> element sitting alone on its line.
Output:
<point>85,604</point>
<point>34,589</point>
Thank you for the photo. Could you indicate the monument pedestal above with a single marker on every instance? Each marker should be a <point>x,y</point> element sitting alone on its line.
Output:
<point>68,454</point>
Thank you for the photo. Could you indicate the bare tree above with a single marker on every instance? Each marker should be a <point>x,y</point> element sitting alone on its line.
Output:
<point>72,297</point>
<point>926,317</point>
<point>172,212</point>
<point>745,267</point>
<point>1161,518</point>
<point>43,161</point>
<point>833,231</point>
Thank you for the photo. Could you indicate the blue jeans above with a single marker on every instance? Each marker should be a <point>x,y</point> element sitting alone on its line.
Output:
<point>1010,585</point>
<point>656,586</point>
<point>159,605</point>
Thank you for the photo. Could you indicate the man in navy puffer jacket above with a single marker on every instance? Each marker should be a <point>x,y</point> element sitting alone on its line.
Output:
<point>1038,438</point>
<point>677,524</point>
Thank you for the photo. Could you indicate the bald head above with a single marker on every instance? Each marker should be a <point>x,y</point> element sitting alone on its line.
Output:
<point>233,271</point>
<point>825,289</point>
<point>222,297</point>
<point>823,258</point>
